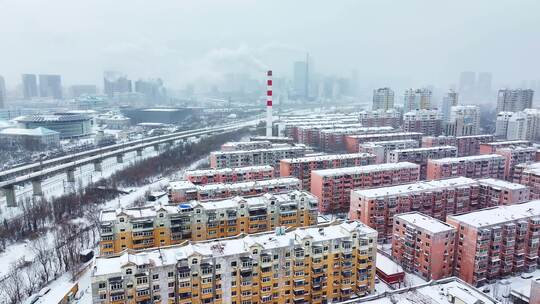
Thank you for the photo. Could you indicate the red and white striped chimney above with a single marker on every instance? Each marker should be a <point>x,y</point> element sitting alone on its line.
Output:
<point>269,104</point>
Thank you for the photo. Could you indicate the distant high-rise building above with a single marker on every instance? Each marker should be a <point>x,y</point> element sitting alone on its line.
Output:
<point>467,84</point>
<point>416,99</point>
<point>383,98</point>
<point>29,86</point>
<point>464,121</point>
<point>152,89</point>
<point>2,92</point>
<point>449,100</point>
<point>501,125</point>
<point>514,100</point>
<point>82,89</point>
<point>115,82</point>
<point>50,86</point>
<point>301,81</point>
<point>483,87</point>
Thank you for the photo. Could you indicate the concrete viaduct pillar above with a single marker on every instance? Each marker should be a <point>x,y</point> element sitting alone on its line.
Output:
<point>97,166</point>
<point>36,187</point>
<point>156,147</point>
<point>71,175</point>
<point>120,158</point>
<point>11,198</point>
<point>139,152</point>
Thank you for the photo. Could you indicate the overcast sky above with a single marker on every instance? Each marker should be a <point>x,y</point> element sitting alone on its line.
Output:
<point>402,43</point>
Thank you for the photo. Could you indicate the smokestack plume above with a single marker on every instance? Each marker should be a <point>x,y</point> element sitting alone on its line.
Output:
<point>269,104</point>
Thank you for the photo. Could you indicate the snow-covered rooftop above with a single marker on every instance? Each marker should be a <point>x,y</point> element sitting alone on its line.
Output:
<point>507,143</point>
<point>425,222</point>
<point>233,246</point>
<point>502,184</point>
<point>473,158</point>
<point>224,171</point>
<point>277,149</point>
<point>421,186</point>
<point>338,131</point>
<point>386,265</point>
<point>366,169</point>
<point>425,149</point>
<point>389,134</point>
<point>235,186</point>
<point>499,215</point>
<point>384,143</point>
<point>40,131</point>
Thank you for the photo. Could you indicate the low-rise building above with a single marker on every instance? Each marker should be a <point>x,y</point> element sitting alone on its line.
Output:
<point>273,139</point>
<point>478,166</point>
<point>496,192</point>
<point>321,264</point>
<point>271,157</point>
<point>229,175</point>
<point>246,145</point>
<point>310,135</point>
<point>424,245</point>
<point>376,207</point>
<point>420,156</point>
<point>334,139</point>
<point>68,125</point>
<point>380,118</point>
<point>466,145</point>
<point>516,155</point>
<point>528,174</point>
<point>427,122</point>
<point>381,148</point>
<point>301,167</point>
<point>38,138</point>
<point>352,142</point>
<point>491,147</point>
<point>497,242</point>
<point>333,186</point>
<point>164,225</point>
<point>183,191</point>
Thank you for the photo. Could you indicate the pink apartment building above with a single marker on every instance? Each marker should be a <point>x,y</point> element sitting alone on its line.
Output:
<point>333,186</point>
<point>478,166</point>
<point>228,175</point>
<point>424,245</point>
<point>352,142</point>
<point>466,145</point>
<point>496,242</point>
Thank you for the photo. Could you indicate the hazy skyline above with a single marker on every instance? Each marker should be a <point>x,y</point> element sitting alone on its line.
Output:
<point>396,43</point>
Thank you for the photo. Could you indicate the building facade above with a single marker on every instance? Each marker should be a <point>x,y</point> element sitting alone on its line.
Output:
<point>383,98</point>
<point>183,191</point>
<point>272,156</point>
<point>450,100</point>
<point>496,192</point>
<point>50,86</point>
<point>478,166</point>
<point>68,125</point>
<point>466,145</point>
<point>319,264</point>
<point>497,242</point>
<point>381,148</point>
<point>424,245</point>
<point>514,100</point>
<point>381,118</point>
<point>463,121</point>
<point>416,99</point>
<point>333,186</point>
<point>164,225</point>
<point>302,167</point>
<point>229,175</point>
<point>420,156</point>
<point>334,139</point>
<point>427,122</point>
<point>528,174</point>
<point>352,142</point>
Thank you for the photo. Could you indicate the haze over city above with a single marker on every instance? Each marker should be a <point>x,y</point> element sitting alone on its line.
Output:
<point>399,44</point>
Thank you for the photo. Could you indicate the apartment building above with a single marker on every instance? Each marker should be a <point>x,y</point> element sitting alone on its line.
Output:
<point>333,186</point>
<point>424,245</point>
<point>497,242</point>
<point>271,157</point>
<point>383,99</point>
<point>290,128</point>
<point>528,174</point>
<point>381,148</point>
<point>164,225</point>
<point>320,264</point>
<point>491,147</point>
<point>334,139</point>
<point>514,100</point>
<point>516,155</point>
<point>496,192</point>
<point>352,142</point>
<point>310,135</point>
<point>427,122</point>
<point>246,145</point>
<point>376,207</point>
<point>420,156</point>
<point>466,145</point>
<point>445,291</point>
<point>229,175</point>
<point>477,166</point>
<point>464,121</point>
<point>381,118</point>
<point>301,167</point>
<point>183,191</point>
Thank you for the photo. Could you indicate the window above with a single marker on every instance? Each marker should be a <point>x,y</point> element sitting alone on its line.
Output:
<point>121,220</point>
<point>102,285</point>
<point>129,271</point>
